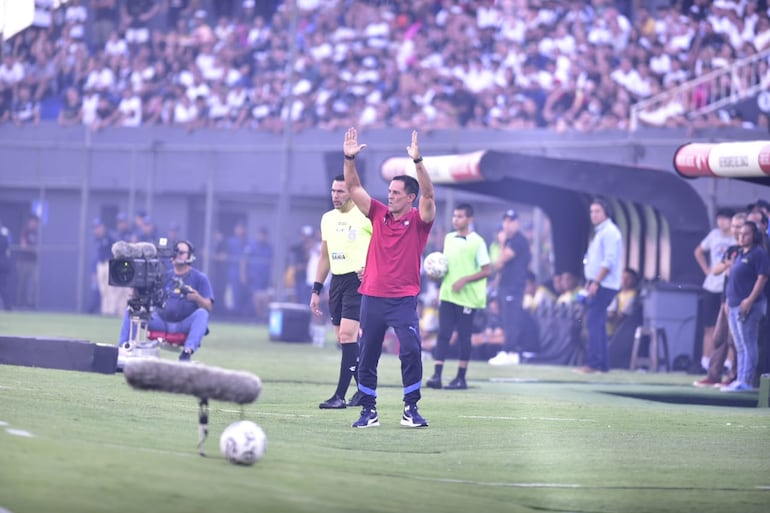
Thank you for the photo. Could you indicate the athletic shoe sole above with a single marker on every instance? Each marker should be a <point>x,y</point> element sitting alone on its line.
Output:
<point>374,423</point>
<point>411,424</point>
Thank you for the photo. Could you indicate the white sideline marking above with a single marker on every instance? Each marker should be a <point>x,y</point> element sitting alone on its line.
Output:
<point>19,432</point>
<point>3,423</point>
<point>267,414</point>
<point>486,417</point>
<point>496,484</point>
<point>500,484</point>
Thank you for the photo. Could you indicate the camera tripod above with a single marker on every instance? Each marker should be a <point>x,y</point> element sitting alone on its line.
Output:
<point>138,344</point>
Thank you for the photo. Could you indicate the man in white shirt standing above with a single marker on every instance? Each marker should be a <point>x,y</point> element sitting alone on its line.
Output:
<point>714,244</point>
<point>602,267</point>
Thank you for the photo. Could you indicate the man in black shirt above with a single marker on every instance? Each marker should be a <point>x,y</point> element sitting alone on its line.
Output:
<point>512,264</point>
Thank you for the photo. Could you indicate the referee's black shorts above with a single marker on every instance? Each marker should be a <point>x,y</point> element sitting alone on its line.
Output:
<point>344,298</point>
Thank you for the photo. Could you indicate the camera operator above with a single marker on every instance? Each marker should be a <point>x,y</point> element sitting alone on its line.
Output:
<point>188,303</point>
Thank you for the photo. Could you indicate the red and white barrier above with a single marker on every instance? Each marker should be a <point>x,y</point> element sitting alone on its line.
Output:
<point>749,159</point>
<point>442,168</point>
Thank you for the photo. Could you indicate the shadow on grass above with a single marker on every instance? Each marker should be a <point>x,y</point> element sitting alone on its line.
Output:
<point>741,400</point>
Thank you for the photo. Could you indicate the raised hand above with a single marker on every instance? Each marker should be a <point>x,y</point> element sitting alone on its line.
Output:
<point>413,150</point>
<point>351,148</point>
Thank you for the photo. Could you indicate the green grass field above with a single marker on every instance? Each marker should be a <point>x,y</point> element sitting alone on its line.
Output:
<point>525,438</point>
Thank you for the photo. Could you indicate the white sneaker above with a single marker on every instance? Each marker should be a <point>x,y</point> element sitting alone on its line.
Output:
<point>504,358</point>
<point>736,386</point>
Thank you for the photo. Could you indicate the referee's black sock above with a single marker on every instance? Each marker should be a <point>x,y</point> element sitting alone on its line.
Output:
<point>461,372</point>
<point>437,368</point>
<point>348,368</point>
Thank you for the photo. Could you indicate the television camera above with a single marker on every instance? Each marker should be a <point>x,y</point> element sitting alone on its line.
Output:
<point>143,267</point>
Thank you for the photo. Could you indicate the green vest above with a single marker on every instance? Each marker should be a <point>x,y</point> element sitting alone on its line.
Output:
<point>465,256</point>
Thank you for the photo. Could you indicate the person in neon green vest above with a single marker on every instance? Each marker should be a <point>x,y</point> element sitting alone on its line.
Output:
<point>463,292</point>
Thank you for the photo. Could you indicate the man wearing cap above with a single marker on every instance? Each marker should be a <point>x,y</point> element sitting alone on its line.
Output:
<point>602,267</point>
<point>512,264</point>
<point>123,229</point>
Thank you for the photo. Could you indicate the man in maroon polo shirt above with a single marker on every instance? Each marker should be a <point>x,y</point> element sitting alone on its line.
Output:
<point>391,279</point>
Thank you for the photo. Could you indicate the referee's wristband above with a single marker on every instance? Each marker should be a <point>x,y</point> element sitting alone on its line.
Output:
<point>317,287</point>
<point>417,160</point>
<point>350,157</point>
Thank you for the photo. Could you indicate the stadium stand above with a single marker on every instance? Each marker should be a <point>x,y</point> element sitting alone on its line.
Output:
<point>574,66</point>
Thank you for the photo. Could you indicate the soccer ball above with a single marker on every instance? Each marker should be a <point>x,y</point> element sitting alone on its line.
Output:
<point>435,265</point>
<point>243,443</point>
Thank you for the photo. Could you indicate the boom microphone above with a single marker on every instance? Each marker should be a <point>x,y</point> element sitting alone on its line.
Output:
<point>129,250</point>
<point>201,381</point>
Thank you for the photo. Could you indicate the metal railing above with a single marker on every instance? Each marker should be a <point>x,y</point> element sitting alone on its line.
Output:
<point>705,94</point>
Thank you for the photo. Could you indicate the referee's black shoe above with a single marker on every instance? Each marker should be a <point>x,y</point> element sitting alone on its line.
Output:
<point>333,403</point>
<point>356,399</point>
<point>434,382</point>
<point>457,384</point>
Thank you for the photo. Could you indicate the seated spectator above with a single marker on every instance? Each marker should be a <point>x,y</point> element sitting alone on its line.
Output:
<point>185,112</point>
<point>105,114</point>
<point>625,301</point>
<point>571,285</point>
<point>25,110</point>
<point>5,103</point>
<point>488,337</point>
<point>11,70</point>
<point>129,110</point>
<point>667,114</point>
<point>538,296</point>
<point>71,112</point>
<point>115,45</point>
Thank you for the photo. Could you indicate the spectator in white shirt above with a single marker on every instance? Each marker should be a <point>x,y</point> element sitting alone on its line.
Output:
<point>115,45</point>
<point>76,14</point>
<point>660,62</point>
<point>185,112</point>
<point>130,109</point>
<point>11,70</point>
<point>625,75</point>
<point>100,77</point>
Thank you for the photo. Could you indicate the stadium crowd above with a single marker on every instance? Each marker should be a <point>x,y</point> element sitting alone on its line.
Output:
<point>574,65</point>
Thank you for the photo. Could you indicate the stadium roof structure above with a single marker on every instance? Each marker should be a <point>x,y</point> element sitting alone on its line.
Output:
<point>661,216</point>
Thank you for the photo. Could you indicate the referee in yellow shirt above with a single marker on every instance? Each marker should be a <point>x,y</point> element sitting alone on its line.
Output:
<point>345,234</point>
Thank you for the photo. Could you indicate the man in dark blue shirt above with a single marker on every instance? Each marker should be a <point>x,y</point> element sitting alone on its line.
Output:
<point>188,303</point>
<point>512,264</point>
